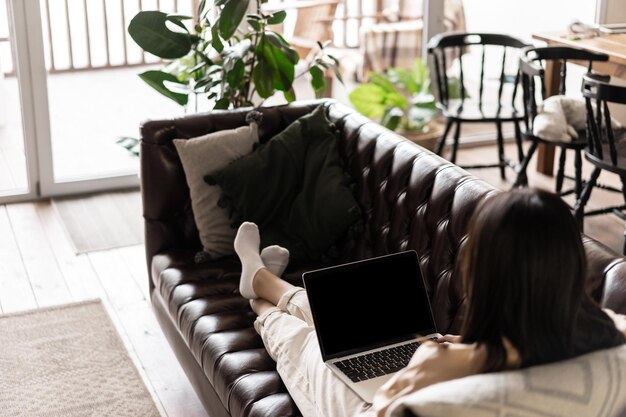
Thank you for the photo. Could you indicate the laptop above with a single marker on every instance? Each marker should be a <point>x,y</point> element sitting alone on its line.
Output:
<point>370,316</point>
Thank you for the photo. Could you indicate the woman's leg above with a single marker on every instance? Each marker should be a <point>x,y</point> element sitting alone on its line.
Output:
<point>268,286</point>
<point>285,326</point>
<point>293,345</point>
<point>259,277</point>
<point>282,294</point>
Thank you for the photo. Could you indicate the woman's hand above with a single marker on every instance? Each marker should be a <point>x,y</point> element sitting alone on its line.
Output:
<point>449,338</point>
<point>618,319</point>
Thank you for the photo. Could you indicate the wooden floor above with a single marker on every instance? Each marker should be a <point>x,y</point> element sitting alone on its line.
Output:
<point>38,267</point>
<point>607,229</point>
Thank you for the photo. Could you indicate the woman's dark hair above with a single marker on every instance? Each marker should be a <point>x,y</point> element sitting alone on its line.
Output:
<point>524,270</point>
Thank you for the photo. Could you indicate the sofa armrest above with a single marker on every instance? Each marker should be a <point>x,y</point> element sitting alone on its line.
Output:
<point>614,290</point>
<point>606,275</point>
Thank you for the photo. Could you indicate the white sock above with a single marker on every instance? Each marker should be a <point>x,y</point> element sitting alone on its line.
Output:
<point>275,258</point>
<point>247,244</point>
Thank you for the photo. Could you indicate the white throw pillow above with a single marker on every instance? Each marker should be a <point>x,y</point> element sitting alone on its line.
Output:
<point>560,118</point>
<point>550,122</point>
<point>589,385</point>
<point>204,155</point>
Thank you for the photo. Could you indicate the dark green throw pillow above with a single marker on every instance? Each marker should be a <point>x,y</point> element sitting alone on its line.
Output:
<point>294,188</point>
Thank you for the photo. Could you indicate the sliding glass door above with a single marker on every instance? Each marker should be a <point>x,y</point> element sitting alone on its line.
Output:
<point>77,71</point>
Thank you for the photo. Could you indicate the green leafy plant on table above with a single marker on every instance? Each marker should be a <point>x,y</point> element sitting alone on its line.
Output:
<point>401,100</point>
<point>231,55</point>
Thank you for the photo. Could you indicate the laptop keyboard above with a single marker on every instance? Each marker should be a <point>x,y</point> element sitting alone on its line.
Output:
<point>379,363</point>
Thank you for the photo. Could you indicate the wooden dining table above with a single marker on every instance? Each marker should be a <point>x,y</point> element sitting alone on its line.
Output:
<point>613,45</point>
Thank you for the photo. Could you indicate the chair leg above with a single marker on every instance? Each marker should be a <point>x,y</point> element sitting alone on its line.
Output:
<point>560,175</point>
<point>624,247</point>
<point>501,156</point>
<point>522,178</point>
<point>518,140</point>
<point>442,140</point>
<point>579,208</point>
<point>578,173</point>
<point>455,144</point>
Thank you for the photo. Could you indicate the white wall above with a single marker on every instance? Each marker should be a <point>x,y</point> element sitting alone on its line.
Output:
<point>614,11</point>
<point>522,18</point>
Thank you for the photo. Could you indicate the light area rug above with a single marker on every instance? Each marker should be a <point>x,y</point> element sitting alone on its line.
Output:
<point>68,361</point>
<point>102,221</point>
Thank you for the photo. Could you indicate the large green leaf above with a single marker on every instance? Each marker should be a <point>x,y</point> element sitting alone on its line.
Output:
<point>404,78</point>
<point>235,75</point>
<point>281,68</point>
<point>369,100</point>
<point>317,79</point>
<point>157,80</point>
<point>395,99</point>
<point>290,95</point>
<point>262,77</point>
<point>149,30</point>
<point>279,42</point>
<point>222,104</point>
<point>231,17</point>
<point>382,81</point>
<point>178,20</point>
<point>216,42</point>
<point>277,18</point>
<point>256,25</point>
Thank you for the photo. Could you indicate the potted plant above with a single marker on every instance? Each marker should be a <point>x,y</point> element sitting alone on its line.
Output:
<point>401,100</point>
<point>230,55</point>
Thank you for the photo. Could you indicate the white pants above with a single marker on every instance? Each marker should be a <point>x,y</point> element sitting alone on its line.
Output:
<point>289,337</point>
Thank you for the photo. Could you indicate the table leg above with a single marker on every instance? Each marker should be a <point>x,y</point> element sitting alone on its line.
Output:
<point>545,159</point>
<point>545,152</point>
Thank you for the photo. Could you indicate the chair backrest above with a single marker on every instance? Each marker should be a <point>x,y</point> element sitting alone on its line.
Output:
<point>459,42</point>
<point>532,67</point>
<point>599,92</point>
<point>314,21</point>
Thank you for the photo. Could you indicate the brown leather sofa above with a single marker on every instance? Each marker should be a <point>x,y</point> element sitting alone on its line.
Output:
<point>411,199</point>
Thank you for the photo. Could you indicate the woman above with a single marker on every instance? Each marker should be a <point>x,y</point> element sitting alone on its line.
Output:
<point>523,271</point>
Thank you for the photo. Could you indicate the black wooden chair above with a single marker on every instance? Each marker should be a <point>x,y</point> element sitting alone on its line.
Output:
<point>473,108</point>
<point>606,147</point>
<point>532,70</point>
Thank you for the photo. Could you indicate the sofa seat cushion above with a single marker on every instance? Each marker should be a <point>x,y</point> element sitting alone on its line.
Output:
<point>217,323</point>
<point>589,385</point>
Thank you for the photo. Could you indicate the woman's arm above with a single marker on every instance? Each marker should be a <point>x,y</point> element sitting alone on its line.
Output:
<point>431,363</point>
<point>450,338</point>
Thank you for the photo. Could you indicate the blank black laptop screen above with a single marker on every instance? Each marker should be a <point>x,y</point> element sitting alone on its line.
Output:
<point>368,304</point>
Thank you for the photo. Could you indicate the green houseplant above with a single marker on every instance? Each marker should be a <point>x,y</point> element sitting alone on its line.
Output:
<point>401,100</point>
<point>231,55</point>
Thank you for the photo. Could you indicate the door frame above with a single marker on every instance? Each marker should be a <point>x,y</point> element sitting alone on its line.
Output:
<point>33,82</point>
<point>17,16</point>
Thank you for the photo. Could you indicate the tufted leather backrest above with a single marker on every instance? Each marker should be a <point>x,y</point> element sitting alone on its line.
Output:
<point>411,199</point>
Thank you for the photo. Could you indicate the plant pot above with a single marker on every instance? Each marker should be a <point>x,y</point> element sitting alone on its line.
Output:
<point>426,138</point>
